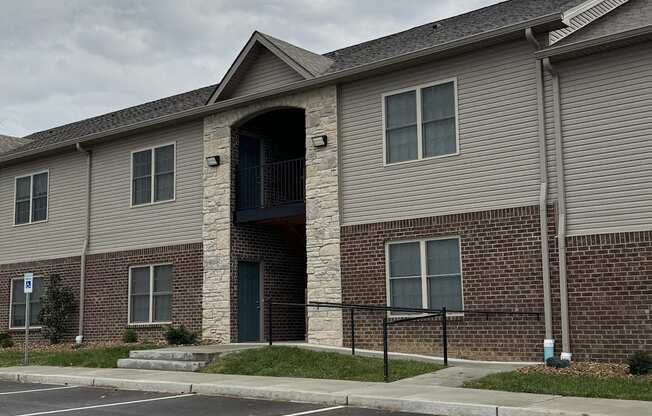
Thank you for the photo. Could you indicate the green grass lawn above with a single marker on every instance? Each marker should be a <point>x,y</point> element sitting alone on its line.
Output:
<point>105,357</point>
<point>566,385</point>
<point>297,362</point>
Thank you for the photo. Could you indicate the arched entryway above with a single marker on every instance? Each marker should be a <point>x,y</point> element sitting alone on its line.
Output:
<point>268,236</point>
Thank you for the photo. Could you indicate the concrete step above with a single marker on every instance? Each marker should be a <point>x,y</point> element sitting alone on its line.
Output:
<point>165,365</point>
<point>172,355</point>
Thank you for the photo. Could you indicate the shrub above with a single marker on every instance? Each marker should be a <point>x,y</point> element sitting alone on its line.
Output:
<point>57,307</point>
<point>179,336</point>
<point>640,363</point>
<point>555,362</point>
<point>5,340</point>
<point>130,336</point>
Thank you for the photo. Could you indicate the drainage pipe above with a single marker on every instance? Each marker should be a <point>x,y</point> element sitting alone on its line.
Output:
<point>87,233</point>
<point>561,200</point>
<point>543,199</point>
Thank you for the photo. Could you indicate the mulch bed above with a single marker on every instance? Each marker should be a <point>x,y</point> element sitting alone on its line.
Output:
<point>67,346</point>
<point>593,369</point>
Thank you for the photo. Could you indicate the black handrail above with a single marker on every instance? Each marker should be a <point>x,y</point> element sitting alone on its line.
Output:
<point>424,313</point>
<point>271,184</point>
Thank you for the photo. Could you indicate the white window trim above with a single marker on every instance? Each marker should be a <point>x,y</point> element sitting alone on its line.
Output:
<point>11,304</point>
<point>31,196</point>
<point>153,176</point>
<point>424,273</point>
<point>151,295</point>
<point>417,89</point>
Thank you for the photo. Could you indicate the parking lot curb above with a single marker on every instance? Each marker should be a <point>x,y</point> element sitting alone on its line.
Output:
<point>330,398</point>
<point>271,394</point>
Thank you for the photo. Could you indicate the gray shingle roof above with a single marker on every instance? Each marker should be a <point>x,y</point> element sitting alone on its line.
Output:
<point>314,63</point>
<point>8,143</point>
<point>147,111</point>
<point>428,35</point>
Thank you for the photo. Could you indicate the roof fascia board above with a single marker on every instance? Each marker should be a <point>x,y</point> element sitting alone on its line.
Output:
<point>569,49</point>
<point>256,37</point>
<point>334,77</point>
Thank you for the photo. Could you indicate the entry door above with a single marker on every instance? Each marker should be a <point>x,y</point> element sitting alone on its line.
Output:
<point>248,301</point>
<point>250,173</point>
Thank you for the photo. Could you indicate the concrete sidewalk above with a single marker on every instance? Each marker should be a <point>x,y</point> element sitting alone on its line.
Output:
<point>406,396</point>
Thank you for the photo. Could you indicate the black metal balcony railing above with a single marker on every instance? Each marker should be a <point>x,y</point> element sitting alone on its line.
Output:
<point>272,184</point>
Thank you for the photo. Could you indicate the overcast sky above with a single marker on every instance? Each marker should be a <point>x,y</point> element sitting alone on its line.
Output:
<point>65,60</point>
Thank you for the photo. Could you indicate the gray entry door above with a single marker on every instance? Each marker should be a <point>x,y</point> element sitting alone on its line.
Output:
<point>248,301</point>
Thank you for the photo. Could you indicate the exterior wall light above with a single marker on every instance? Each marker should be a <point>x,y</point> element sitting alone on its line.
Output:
<point>319,141</point>
<point>213,161</point>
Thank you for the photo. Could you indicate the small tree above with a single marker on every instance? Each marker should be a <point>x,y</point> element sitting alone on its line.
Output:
<point>57,307</point>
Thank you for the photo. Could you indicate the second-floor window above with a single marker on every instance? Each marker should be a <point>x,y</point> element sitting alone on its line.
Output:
<point>421,122</point>
<point>153,175</point>
<point>31,198</point>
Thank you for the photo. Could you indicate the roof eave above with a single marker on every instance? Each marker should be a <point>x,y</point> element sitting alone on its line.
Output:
<point>548,22</point>
<point>571,50</point>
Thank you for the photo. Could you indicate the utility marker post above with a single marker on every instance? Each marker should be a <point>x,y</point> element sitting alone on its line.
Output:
<point>28,287</point>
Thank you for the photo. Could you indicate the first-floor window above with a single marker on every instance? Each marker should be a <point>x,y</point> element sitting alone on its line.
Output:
<point>425,274</point>
<point>19,302</point>
<point>150,294</point>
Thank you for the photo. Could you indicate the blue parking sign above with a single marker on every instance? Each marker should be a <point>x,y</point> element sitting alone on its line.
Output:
<point>28,280</point>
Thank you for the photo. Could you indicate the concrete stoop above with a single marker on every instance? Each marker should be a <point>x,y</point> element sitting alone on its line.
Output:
<point>166,360</point>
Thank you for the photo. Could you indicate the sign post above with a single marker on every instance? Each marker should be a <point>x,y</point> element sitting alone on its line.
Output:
<point>28,287</point>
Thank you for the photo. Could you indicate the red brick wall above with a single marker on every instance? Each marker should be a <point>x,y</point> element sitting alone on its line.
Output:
<point>67,268</point>
<point>107,286</point>
<point>610,295</point>
<point>501,267</point>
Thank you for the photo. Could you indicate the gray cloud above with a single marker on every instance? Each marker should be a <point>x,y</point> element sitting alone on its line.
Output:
<point>65,60</point>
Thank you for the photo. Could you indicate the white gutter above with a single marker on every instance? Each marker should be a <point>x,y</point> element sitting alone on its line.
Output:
<point>543,193</point>
<point>561,202</point>
<point>87,234</point>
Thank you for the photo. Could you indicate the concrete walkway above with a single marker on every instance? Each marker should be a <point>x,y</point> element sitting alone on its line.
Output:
<point>399,396</point>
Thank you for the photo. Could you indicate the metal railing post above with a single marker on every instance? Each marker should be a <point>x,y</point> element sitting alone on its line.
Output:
<point>385,352</point>
<point>352,331</point>
<point>444,336</point>
<point>269,321</point>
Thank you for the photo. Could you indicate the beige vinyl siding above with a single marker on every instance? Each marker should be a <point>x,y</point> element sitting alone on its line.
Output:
<point>115,225</point>
<point>584,18</point>
<point>63,234</point>
<point>498,161</point>
<point>607,123</point>
<point>262,71</point>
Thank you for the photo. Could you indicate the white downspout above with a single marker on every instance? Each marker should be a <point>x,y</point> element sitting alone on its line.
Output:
<point>561,198</point>
<point>549,341</point>
<point>87,232</point>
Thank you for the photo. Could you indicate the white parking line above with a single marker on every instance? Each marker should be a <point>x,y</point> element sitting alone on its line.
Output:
<point>51,412</point>
<point>309,412</point>
<point>35,390</point>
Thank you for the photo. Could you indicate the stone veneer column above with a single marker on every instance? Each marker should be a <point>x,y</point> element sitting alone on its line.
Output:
<point>322,214</point>
<point>216,232</point>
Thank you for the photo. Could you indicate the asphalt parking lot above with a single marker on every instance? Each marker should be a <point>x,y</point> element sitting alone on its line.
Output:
<point>19,399</point>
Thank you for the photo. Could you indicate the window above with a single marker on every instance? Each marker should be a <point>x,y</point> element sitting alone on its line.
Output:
<point>31,198</point>
<point>18,303</point>
<point>153,175</point>
<point>150,294</point>
<point>425,274</point>
<point>421,122</point>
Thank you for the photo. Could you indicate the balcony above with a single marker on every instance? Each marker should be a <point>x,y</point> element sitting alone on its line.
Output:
<point>272,190</point>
